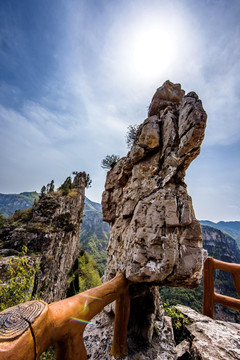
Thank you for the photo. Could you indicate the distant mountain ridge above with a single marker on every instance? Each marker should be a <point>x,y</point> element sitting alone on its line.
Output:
<point>91,206</point>
<point>9,203</point>
<point>230,227</point>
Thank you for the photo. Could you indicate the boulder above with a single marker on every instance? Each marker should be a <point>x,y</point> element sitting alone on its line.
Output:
<point>209,339</point>
<point>202,338</point>
<point>98,340</point>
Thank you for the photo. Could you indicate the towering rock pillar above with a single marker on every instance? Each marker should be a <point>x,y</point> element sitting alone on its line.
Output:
<point>155,237</point>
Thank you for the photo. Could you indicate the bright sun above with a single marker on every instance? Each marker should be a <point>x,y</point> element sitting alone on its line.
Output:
<point>150,47</point>
<point>153,50</point>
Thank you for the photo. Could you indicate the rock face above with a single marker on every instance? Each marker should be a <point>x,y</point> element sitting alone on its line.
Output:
<point>219,245</point>
<point>98,340</point>
<point>154,235</point>
<point>51,234</point>
<point>209,339</point>
<point>202,338</point>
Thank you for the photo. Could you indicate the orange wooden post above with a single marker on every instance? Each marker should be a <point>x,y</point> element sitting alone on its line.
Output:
<point>71,348</point>
<point>70,339</point>
<point>122,311</point>
<point>208,287</point>
<point>236,280</point>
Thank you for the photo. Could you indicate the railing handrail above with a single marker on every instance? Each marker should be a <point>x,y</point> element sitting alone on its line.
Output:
<point>63,323</point>
<point>56,322</point>
<point>209,295</point>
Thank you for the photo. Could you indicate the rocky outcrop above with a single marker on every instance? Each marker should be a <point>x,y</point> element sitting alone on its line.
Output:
<point>155,237</point>
<point>220,245</point>
<point>50,230</point>
<point>230,227</point>
<point>98,340</point>
<point>207,339</point>
<point>199,338</point>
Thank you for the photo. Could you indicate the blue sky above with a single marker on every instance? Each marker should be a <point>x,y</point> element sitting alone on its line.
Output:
<point>74,74</point>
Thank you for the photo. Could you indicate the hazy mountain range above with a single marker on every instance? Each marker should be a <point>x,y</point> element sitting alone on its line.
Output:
<point>230,227</point>
<point>9,203</point>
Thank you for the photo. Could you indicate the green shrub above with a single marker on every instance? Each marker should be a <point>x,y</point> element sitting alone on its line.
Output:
<point>20,280</point>
<point>66,186</point>
<point>21,216</point>
<point>2,221</point>
<point>178,322</point>
<point>178,319</point>
<point>49,354</point>
<point>88,273</point>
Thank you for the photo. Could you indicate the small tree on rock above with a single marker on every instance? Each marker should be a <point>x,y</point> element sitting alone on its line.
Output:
<point>109,161</point>
<point>88,181</point>
<point>43,190</point>
<point>131,135</point>
<point>51,186</point>
<point>66,186</point>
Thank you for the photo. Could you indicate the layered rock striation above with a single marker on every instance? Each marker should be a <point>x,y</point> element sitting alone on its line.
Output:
<point>154,235</point>
<point>50,231</point>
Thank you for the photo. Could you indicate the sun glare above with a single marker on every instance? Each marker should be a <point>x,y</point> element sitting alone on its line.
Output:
<point>150,46</point>
<point>153,51</point>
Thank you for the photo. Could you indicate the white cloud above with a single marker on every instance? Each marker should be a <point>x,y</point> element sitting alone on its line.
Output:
<point>109,62</point>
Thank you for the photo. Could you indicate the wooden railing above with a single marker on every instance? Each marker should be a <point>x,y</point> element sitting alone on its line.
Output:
<point>28,329</point>
<point>209,295</point>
